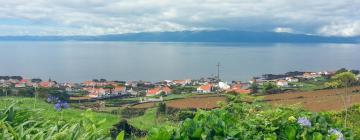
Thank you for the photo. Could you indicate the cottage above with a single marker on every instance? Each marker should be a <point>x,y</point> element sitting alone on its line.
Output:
<point>282,83</point>
<point>358,77</point>
<point>89,83</point>
<point>119,90</point>
<point>238,88</point>
<point>20,85</point>
<point>47,84</point>
<point>132,92</point>
<point>182,82</point>
<point>223,86</point>
<point>291,79</point>
<point>158,90</point>
<point>95,92</point>
<point>204,88</point>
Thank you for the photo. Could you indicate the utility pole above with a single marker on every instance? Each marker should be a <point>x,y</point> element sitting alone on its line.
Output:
<point>218,71</point>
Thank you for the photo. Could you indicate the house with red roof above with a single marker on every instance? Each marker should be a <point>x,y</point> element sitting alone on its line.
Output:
<point>119,89</point>
<point>89,83</point>
<point>207,88</point>
<point>158,90</point>
<point>238,88</point>
<point>95,92</point>
<point>47,84</point>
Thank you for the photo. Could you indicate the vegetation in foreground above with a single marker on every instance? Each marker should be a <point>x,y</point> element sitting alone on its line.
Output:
<point>239,120</point>
<point>20,118</point>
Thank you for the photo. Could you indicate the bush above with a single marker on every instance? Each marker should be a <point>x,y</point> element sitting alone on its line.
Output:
<point>254,121</point>
<point>132,112</point>
<point>16,124</point>
<point>161,108</point>
<point>129,130</point>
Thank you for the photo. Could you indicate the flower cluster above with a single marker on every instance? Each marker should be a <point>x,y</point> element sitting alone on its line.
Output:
<point>304,122</point>
<point>52,99</point>
<point>337,133</point>
<point>61,105</point>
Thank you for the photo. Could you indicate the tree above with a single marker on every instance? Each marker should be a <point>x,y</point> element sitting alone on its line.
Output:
<point>341,71</point>
<point>254,88</point>
<point>270,88</point>
<point>345,79</point>
<point>161,108</point>
<point>356,72</point>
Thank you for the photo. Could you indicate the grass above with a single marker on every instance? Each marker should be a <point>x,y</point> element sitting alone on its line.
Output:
<point>150,120</point>
<point>47,111</point>
<point>307,86</point>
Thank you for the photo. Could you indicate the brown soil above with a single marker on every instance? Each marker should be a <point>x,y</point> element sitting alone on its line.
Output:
<point>200,102</point>
<point>320,100</point>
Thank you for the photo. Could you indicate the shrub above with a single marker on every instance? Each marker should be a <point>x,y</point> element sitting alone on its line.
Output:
<point>132,112</point>
<point>254,121</point>
<point>16,124</point>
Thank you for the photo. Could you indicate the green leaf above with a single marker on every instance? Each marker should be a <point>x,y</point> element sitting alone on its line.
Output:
<point>120,136</point>
<point>317,136</point>
<point>290,132</point>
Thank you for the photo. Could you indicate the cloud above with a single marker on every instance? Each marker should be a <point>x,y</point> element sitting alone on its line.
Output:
<point>283,30</point>
<point>341,29</point>
<point>92,17</point>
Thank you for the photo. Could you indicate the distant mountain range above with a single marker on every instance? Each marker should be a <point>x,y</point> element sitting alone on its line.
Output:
<point>196,36</point>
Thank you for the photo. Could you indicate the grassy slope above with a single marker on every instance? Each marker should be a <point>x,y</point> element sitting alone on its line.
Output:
<point>150,120</point>
<point>48,112</point>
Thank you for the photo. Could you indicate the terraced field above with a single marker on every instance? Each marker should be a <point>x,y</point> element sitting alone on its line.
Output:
<point>320,100</point>
<point>200,101</point>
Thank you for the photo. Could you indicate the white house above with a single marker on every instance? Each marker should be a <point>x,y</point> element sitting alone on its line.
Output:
<point>291,79</point>
<point>223,86</point>
<point>282,83</point>
<point>358,77</point>
<point>204,88</point>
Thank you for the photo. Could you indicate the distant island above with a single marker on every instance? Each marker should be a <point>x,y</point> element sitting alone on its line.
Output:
<point>221,36</point>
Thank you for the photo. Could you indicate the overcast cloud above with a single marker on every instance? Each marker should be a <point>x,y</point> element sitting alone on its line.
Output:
<point>95,17</point>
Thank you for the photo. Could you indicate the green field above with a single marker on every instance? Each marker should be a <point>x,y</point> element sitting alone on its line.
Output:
<point>149,120</point>
<point>47,112</point>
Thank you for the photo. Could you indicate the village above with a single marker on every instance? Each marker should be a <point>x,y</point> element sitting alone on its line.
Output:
<point>154,91</point>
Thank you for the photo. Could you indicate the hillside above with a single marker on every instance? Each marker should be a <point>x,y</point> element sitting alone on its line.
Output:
<point>196,36</point>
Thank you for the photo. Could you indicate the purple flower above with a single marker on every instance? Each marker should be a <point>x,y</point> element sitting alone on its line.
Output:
<point>52,99</point>
<point>304,122</point>
<point>61,105</point>
<point>57,106</point>
<point>337,133</point>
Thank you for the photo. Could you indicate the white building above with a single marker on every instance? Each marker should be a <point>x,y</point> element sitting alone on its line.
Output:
<point>291,79</point>
<point>223,86</point>
<point>282,83</point>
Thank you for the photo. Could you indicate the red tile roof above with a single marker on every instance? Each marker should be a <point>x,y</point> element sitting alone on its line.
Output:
<point>206,87</point>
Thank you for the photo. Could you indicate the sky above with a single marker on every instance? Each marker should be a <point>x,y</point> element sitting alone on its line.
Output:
<point>98,17</point>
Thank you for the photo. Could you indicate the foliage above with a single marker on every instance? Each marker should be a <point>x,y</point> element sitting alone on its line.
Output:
<point>132,112</point>
<point>341,80</point>
<point>353,120</point>
<point>44,93</point>
<point>341,71</point>
<point>254,87</point>
<point>244,121</point>
<point>127,129</point>
<point>270,88</point>
<point>161,108</point>
<point>17,124</point>
<point>45,111</point>
<point>183,89</point>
